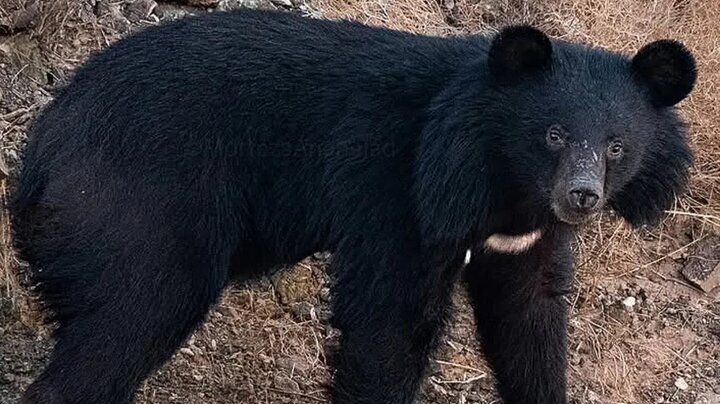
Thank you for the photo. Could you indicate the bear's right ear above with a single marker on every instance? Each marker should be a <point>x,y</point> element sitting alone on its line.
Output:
<point>518,51</point>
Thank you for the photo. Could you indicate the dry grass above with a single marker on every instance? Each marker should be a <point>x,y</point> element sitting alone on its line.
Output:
<point>49,38</point>
<point>8,281</point>
<point>610,254</point>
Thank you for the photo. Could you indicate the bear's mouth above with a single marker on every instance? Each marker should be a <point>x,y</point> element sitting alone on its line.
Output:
<point>573,216</point>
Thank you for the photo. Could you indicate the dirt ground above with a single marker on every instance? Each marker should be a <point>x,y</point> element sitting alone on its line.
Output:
<point>644,329</point>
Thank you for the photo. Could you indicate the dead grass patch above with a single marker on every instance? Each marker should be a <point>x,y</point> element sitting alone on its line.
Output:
<point>622,359</point>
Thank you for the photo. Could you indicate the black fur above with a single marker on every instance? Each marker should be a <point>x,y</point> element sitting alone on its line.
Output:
<point>668,70</point>
<point>522,316</point>
<point>223,146</point>
<point>517,52</point>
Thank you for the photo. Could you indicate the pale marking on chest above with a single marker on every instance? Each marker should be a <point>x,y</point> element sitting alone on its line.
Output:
<point>507,244</point>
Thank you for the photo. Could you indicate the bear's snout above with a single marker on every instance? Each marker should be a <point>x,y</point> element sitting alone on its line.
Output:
<point>579,191</point>
<point>578,205</point>
<point>584,197</point>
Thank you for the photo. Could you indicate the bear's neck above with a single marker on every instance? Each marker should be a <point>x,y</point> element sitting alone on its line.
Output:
<point>516,214</point>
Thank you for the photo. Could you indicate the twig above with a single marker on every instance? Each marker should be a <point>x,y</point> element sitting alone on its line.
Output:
<point>457,365</point>
<point>464,381</point>
<point>294,393</point>
<point>632,271</point>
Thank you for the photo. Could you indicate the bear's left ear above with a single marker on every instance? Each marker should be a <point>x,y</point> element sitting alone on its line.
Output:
<point>518,51</point>
<point>667,69</point>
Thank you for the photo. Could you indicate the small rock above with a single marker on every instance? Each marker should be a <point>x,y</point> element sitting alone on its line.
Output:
<point>202,3</point>
<point>295,285</point>
<point>703,267</point>
<point>4,170</point>
<point>27,18</point>
<point>110,14</point>
<point>629,302</point>
<point>681,383</point>
<point>324,315</point>
<point>187,351</point>
<point>325,294</point>
<point>225,5</point>
<point>438,388</point>
<point>20,20</point>
<point>166,11</point>
<point>303,311</point>
<point>140,10</point>
<point>703,276</point>
<point>104,8</point>
<point>293,364</point>
<point>282,3</point>
<point>593,397</point>
<point>707,398</point>
<point>213,344</point>
<point>322,256</point>
<point>248,387</point>
<point>286,384</point>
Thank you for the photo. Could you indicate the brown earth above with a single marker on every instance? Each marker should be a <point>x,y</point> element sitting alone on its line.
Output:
<point>640,331</point>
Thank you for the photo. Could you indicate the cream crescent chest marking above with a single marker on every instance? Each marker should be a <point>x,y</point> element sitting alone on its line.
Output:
<point>507,244</point>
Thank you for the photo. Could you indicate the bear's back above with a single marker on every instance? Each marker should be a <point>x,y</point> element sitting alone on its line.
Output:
<point>248,75</point>
<point>240,103</point>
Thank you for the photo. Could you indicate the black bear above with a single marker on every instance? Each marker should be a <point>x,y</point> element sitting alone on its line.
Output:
<point>219,147</point>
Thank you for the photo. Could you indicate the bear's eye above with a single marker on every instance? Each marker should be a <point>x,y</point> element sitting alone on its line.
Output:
<point>615,149</point>
<point>555,137</point>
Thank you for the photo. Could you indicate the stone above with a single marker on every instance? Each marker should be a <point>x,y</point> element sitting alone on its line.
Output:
<point>286,384</point>
<point>629,302</point>
<point>681,383</point>
<point>293,364</point>
<point>202,3</point>
<point>4,170</point>
<point>282,3</point>
<point>296,285</point>
<point>702,268</point>
<point>140,10</point>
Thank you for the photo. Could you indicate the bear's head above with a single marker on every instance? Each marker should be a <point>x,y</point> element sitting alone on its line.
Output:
<point>550,130</point>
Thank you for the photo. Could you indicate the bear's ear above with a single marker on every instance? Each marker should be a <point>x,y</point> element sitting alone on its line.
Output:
<point>667,69</point>
<point>517,51</point>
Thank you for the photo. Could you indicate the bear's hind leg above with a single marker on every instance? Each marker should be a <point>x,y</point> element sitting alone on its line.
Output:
<point>522,317</point>
<point>145,302</point>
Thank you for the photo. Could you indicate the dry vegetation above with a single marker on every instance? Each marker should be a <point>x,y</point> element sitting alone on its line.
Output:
<point>267,344</point>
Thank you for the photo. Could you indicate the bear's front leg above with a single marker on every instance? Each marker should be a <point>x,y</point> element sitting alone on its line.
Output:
<point>522,316</point>
<point>390,310</point>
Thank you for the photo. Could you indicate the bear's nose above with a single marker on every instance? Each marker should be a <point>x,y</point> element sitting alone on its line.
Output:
<point>583,198</point>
